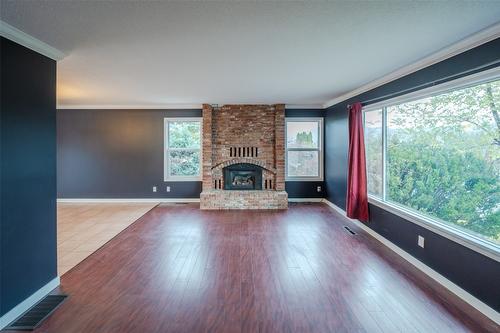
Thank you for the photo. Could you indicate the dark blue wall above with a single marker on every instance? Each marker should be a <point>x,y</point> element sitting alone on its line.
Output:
<point>474,272</point>
<point>115,154</point>
<point>119,154</point>
<point>28,173</point>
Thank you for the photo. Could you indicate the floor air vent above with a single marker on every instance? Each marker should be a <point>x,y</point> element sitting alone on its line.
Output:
<point>349,230</point>
<point>32,318</point>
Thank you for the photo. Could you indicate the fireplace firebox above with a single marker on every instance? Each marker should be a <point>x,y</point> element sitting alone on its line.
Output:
<point>242,176</point>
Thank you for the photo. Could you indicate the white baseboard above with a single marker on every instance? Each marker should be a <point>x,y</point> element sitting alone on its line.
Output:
<point>305,199</point>
<point>22,307</point>
<point>160,200</point>
<point>461,293</point>
<point>131,200</point>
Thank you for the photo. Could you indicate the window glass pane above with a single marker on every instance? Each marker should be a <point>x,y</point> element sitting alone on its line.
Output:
<point>443,158</point>
<point>303,163</point>
<point>184,134</point>
<point>184,162</point>
<point>302,134</point>
<point>373,146</point>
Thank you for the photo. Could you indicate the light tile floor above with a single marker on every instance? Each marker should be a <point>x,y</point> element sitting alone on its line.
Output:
<point>82,228</point>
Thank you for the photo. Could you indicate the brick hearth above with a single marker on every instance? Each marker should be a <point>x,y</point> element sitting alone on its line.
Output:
<point>219,199</point>
<point>253,134</point>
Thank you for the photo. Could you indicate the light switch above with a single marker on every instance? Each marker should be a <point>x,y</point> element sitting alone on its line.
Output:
<point>421,241</point>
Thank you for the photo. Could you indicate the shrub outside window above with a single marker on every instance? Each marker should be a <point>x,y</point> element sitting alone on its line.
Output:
<point>304,149</point>
<point>182,160</point>
<point>438,156</point>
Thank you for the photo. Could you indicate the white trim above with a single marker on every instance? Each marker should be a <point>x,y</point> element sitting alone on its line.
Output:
<point>32,43</point>
<point>165,106</point>
<point>305,199</point>
<point>160,200</point>
<point>166,161</point>
<point>468,43</point>
<point>441,228</point>
<point>460,83</point>
<point>320,150</point>
<point>458,291</point>
<point>131,200</point>
<point>22,307</point>
<point>129,106</point>
<point>303,106</point>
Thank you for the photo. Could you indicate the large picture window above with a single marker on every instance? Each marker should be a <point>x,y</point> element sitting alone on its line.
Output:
<point>182,149</point>
<point>438,155</point>
<point>304,153</point>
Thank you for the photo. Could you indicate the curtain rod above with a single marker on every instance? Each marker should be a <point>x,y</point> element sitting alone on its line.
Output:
<point>430,84</point>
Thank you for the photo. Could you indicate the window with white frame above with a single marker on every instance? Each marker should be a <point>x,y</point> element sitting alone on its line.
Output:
<point>182,159</point>
<point>435,155</point>
<point>304,149</point>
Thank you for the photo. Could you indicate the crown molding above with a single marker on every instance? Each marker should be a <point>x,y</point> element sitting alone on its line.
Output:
<point>164,106</point>
<point>465,44</point>
<point>304,106</point>
<point>22,38</point>
<point>131,106</point>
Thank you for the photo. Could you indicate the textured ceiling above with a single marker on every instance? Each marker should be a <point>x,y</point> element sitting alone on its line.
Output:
<point>150,52</point>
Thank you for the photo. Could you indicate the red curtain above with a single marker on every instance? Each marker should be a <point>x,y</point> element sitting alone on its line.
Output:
<point>357,196</point>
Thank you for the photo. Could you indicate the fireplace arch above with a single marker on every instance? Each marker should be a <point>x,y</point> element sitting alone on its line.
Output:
<point>242,176</point>
<point>267,174</point>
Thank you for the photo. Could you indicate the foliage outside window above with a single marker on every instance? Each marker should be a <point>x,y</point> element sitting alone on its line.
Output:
<point>304,148</point>
<point>182,149</point>
<point>373,147</point>
<point>441,156</point>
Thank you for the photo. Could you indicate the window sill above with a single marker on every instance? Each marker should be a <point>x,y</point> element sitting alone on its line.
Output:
<point>182,179</point>
<point>303,179</point>
<point>454,234</point>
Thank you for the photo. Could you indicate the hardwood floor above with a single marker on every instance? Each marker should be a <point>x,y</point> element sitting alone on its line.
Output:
<point>179,269</point>
<point>83,228</point>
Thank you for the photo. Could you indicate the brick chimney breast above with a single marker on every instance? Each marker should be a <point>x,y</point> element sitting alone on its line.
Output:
<point>252,134</point>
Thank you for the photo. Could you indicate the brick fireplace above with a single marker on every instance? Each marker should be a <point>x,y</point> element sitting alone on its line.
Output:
<point>244,157</point>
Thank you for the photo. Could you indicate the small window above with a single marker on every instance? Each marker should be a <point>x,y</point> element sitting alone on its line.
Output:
<point>304,149</point>
<point>182,149</point>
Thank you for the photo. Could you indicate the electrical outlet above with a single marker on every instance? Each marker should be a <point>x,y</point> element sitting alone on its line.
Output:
<point>168,188</point>
<point>154,188</point>
<point>318,188</point>
<point>421,241</point>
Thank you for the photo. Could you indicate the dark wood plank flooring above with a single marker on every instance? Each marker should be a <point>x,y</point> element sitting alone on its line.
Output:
<point>179,269</point>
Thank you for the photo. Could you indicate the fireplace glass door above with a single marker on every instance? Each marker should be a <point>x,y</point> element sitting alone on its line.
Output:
<point>243,176</point>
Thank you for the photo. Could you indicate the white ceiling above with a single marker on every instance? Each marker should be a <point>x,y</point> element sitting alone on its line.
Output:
<point>156,53</point>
